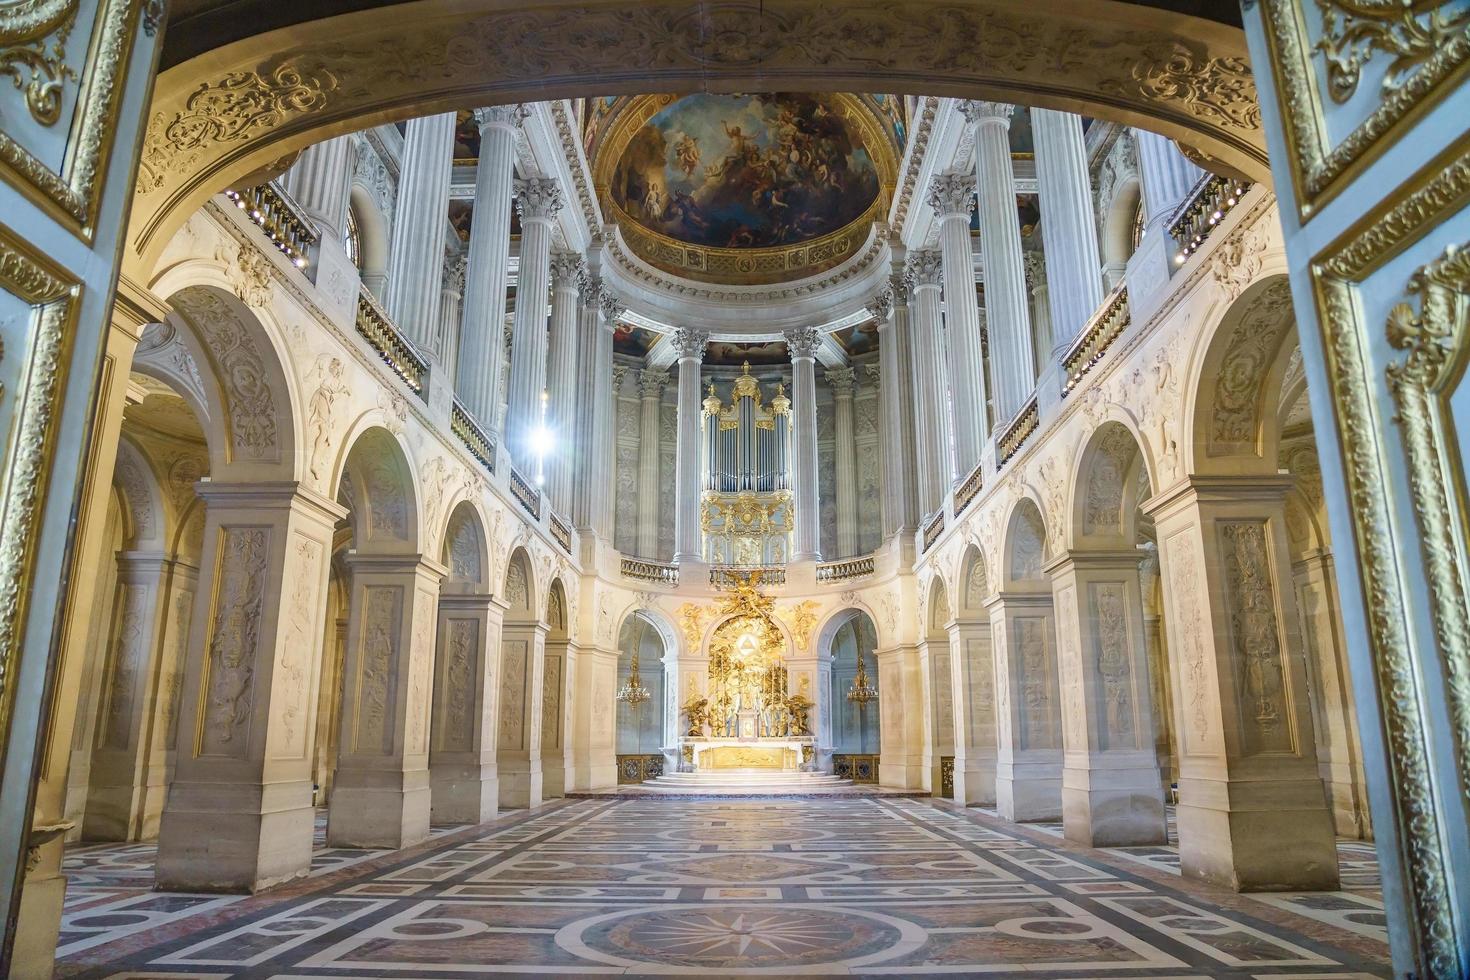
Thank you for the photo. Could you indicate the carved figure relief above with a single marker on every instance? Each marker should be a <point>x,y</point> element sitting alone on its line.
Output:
<point>461,652</point>
<point>234,639</point>
<point>1035,680</point>
<point>1257,658</point>
<point>517,591</point>
<point>1247,359</point>
<point>302,616</point>
<point>241,371</point>
<point>377,687</point>
<point>128,658</point>
<point>321,414</point>
<point>183,614</point>
<point>1184,571</point>
<point>551,706</point>
<point>513,693</point>
<point>1114,663</point>
<point>421,664</point>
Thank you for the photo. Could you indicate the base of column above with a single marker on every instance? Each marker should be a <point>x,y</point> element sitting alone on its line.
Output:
<point>124,812</point>
<point>1029,789</point>
<point>900,772</point>
<point>553,781</point>
<point>520,785</point>
<point>974,781</point>
<point>1280,838</point>
<point>1114,804</point>
<point>234,838</point>
<point>463,793</point>
<point>374,808</point>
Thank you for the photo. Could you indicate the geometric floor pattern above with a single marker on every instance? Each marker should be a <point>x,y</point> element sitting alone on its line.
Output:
<point>644,887</point>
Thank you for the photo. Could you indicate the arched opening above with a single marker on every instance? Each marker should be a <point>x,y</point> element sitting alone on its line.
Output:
<point>934,661</point>
<point>852,650</point>
<point>367,239</point>
<point>522,653</point>
<point>1122,229</point>
<point>973,670</point>
<point>639,699</point>
<point>560,663</point>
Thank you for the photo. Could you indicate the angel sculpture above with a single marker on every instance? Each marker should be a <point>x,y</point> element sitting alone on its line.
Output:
<point>796,709</point>
<point>696,709</point>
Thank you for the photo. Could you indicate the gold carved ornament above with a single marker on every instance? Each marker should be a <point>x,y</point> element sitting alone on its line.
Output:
<point>1425,200</point>
<point>35,67</point>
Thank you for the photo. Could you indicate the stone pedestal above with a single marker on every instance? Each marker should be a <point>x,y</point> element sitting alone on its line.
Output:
<point>938,738</point>
<point>463,775</point>
<point>522,671</point>
<point>1111,794</point>
<point>901,712</point>
<point>559,673</point>
<point>381,796</point>
<point>1252,812</point>
<point>1028,762</point>
<point>972,673</point>
<point>239,812</point>
<point>594,726</point>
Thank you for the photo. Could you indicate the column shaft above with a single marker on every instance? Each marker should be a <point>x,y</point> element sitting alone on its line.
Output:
<point>489,255</point>
<point>802,345</point>
<point>1168,176</point>
<point>416,252</point>
<point>1007,311</point>
<point>651,383</point>
<point>320,181</point>
<point>950,197</point>
<point>538,200</point>
<point>569,272</point>
<point>931,413</point>
<point>690,346</point>
<point>1069,233</point>
<point>896,405</point>
<point>447,338</point>
<point>841,381</point>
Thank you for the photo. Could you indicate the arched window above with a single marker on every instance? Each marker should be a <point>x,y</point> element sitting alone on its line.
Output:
<point>352,240</point>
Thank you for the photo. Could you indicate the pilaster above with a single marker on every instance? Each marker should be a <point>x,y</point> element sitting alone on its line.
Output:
<point>651,383</point>
<point>931,378</point>
<point>972,678</point>
<point>1028,760</point>
<point>802,345</point>
<point>463,774</point>
<point>900,718</point>
<point>840,380</point>
<point>522,659</point>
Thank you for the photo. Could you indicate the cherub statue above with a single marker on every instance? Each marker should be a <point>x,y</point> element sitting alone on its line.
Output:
<point>796,709</point>
<point>696,709</point>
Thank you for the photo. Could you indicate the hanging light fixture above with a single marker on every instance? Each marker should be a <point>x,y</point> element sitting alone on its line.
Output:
<point>861,692</point>
<point>633,693</point>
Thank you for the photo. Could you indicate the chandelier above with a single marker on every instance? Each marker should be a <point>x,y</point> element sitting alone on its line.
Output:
<point>861,692</point>
<point>633,693</point>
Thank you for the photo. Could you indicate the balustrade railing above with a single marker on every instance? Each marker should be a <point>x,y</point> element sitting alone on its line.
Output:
<point>728,576</point>
<point>647,570</point>
<point>526,495</point>
<point>561,531</point>
<point>846,569</point>
<point>1016,434</point>
<point>1203,211</point>
<point>1106,326</point>
<point>933,530</point>
<point>479,442</point>
<point>395,350</point>
<point>968,489</point>
<point>289,230</point>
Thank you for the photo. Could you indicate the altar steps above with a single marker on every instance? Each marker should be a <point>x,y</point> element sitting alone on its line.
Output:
<point>749,782</point>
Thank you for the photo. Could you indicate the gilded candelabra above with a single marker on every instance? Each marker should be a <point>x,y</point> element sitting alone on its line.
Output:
<point>861,693</point>
<point>633,693</point>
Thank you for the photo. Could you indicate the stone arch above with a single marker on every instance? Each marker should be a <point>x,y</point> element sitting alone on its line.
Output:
<point>1112,480</point>
<point>837,616</point>
<point>850,629</point>
<point>940,611</point>
<point>518,588</point>
<point>1117,242</point>
<point>145,519</point>
<point>1024,548</point>
<point>250,397</point>
<point>641,730</point>
<point>465,551</point>
<point>974,583</point>
<point>343,72</point>
<point>1237,380</point>
<point>558,624</point>
<point>378,485</point>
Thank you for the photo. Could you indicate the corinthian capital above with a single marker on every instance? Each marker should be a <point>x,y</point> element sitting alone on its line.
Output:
<point>881,305</point>
<point>926,267</point>
<point>611,305</point>
<point>651,382</point>
<point>509,116</point>
<point>803,342</point>
<point>538,197</point>
<point>952,195</point>
<point>568,270</point>
<point>977,112</point>
<point>841,380</point>
<point>689,343</point>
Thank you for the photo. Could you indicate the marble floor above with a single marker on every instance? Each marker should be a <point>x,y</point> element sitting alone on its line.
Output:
<point>782,887</point>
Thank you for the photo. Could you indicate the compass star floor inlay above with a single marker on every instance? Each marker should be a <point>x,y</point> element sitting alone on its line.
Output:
<point>902,887</point>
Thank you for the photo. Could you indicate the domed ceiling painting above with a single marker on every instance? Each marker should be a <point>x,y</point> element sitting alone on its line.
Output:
<point>746,188</point>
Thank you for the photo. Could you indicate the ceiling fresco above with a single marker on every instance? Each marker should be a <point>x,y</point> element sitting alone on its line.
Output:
<point>634,341</point>
<point>745,189</point>
<point>858,340</point>
<point>721,352</point>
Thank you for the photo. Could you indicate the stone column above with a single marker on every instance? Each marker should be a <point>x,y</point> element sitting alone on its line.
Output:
<point>1040,292</point>
<point>1028,762</point>
<point>381,796</point>
<point>538,201</point>
<point>559,677</point>
<point>594,724</point>
<point>950,196</point>
<point>896,406</point>
<point>1006,307</point>
<point>568,276</point>
<point>1252,813</point>
<point>841,381</point>
<point>416,251</point>
<point>1334,717</point>
<point>600,454</point>
<point>463,774</point>
<point>972,673</point>
<point>522,672</point>
<point>485,277</point>
<point>901,712</point>
<point>129,772</point>
<point>448,336</point>
<point>931,379</point>
<point>239,812</point>
<point>689,344</point>
<point>1111,794</point>
<point>802,345</point>
<point>1073,268</point>
<point>320,181</point>
<point>938,699</point>
<point>1168,176</point>
<point>651,383</point>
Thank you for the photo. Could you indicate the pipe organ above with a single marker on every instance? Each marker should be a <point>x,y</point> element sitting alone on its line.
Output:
<point>746,505</point>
